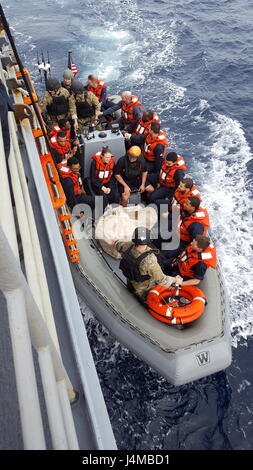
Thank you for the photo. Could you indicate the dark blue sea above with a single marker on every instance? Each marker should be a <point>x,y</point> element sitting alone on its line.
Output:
<point>191,61</point>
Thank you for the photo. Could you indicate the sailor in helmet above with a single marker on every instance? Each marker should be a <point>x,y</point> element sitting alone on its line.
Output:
<point>85,106</point>
<point>55,103</point>
<point>140,264</point>
<point>67,80</point>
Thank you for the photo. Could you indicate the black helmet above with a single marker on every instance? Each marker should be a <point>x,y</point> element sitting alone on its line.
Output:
<point>52,84</point>
<point>77,87</point>
<point>141,236</point>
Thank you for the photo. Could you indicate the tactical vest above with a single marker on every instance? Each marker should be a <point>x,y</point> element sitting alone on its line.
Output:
<point>130,265</point>
<point>84,109</point>
<point>58,106</point>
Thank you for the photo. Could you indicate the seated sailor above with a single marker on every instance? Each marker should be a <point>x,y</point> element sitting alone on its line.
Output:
<point>192,264</point>
<point>140,264</point>
<point>154,148</point>
<point>141,130</point>
<point>185,189</point>
<point>171,173</point>
<point>99,89</point>
<point>194,221</point>
<point>61,148</point>
<point>101,175</point>
<point>72,184</point>
<point>131,173</point>
<point>63,125</point>
<point>130,111</point>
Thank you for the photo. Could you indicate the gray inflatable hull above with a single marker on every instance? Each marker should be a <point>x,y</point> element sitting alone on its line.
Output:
<point>181,356</point>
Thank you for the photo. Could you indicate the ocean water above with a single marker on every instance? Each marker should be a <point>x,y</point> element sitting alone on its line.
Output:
<point>192,62</point>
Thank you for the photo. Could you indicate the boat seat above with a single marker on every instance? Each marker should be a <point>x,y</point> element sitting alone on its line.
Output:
<point>135,198</point>
<point>87,186</point>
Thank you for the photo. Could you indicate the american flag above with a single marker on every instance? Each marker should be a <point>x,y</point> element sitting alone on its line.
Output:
<point>72,66</point>
<point>73,69</point>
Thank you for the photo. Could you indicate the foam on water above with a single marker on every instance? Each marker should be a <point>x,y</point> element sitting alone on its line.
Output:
<point>228,201</point>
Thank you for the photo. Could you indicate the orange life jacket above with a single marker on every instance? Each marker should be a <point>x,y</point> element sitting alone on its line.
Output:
<point>66,172</point>
<point>166,177</point>
<point>127,113</point>
<point>189,258</point>
<point>61,150</point>
<point>104,171</point>
<point>180,198</point>
<point>201,216</point>
<point>142,127</point>
<point>57,129</point>
<point>98,90</point>
<point>151,143</point>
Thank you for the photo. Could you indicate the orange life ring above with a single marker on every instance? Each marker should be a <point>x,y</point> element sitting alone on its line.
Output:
<point>169,312</point>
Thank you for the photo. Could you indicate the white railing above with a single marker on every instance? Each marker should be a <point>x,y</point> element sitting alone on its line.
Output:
<point>25,302</point>
<point>96,408</point>
<point>23,311</point>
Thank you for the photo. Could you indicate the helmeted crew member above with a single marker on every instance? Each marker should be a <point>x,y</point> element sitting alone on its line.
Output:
<point>72,184</point>
<point>62,126</point>
<point>101,175</point>
<point>130,111</point>
<point>142,128</point>
<point>194,221</point>
<point>194,261</point>
<point>139,263</point>
<point>56,103</point>
<point>67,80</point>
<point>61,148</point>
<point>85,104</point>
<point>154,148</point>
<point>171,173</point>
<point>131,173</point>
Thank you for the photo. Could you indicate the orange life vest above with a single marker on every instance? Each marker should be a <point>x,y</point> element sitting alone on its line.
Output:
<point>189,258</point>
<point>56,129</point>
<point>98,90</point>
<point>104,171</point>
<point>201,216</point>
<point>61,150</point>
<point>180,198</point>
<point>66,172</point>
<point>142,127</point>
<point>127,113</point>
<point>151,143</point>
<point>166,177</point>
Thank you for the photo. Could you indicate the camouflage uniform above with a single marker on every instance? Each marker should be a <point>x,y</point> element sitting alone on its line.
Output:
<point>91,100</point>
<point>149,265</point>
<point>47,99</point>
